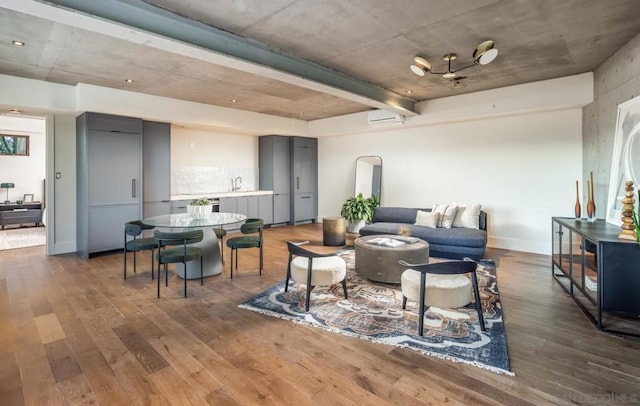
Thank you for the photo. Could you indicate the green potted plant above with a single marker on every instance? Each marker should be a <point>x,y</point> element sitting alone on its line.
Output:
<point>200,208</point>
<point>358,211</point>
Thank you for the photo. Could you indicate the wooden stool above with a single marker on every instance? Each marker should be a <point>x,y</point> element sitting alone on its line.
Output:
<point>334,231</point>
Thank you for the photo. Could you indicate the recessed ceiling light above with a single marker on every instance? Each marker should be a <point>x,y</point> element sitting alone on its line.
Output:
<point>18,43</point>
<point>234,100</point>
<point>129,80</point>
<point>15,110</point>
<point>301,114</point>
<point>409,91</point>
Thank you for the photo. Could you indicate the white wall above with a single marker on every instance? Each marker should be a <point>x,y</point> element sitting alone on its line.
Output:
<point>26,172</point>
<point>204,161</point>
<point>522,169</point>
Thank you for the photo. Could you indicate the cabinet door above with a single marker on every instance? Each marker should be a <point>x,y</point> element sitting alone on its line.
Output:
<point>156,161</point>
<point>114,168</point>
<point>151,209</point>
<point>229,204</point>
<point>242,205</point>
<point>281,208</point>
<point>304,207</point>
<point>253,207</point>
<point>106,226</point>
<point>304,170</point>
<point>265,208</point>
<point>281,165</point>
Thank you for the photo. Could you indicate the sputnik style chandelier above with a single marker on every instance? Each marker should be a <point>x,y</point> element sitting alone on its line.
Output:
<point>484,54</point>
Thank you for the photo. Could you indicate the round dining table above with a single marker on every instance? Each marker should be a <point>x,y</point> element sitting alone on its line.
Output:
<point>211,260</point>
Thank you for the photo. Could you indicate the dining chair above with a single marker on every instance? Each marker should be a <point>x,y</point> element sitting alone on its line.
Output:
<point>220,234</point>
<point>440,284</point>
<point>313,269</point>
<point>134,243</point>
<point>176,247</point>
<point>248,240</point>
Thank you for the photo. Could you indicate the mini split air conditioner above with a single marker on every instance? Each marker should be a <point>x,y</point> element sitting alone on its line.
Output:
<point>384,117</point>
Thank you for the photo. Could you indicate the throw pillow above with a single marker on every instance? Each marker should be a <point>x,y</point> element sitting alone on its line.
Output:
<point>427,219</point>
<point>468,216</point>
<point>441,210</point>
<point>449,215</point>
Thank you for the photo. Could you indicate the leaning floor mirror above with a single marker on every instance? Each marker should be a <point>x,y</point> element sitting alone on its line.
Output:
<point>369,176</point>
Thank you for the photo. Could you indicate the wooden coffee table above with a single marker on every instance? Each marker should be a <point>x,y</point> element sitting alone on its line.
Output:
<point>380,263</point>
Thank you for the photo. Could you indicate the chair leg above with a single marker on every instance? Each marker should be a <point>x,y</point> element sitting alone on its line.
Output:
<point>125,262</point>
<point>286,282</point>
<point>159,277</point>
<point>134,261</point>
<point>231,263</point>
<point>404,302</point>
<point>166,274</point>
<point>261,259</point>
<point>152,261</point>
<point>221,243</point>
<point>344,287</point>
<point>185,277</point>
<point>478,302</point>
<point>309,288</point>
<point>421,304</point>
<point>201,272</point>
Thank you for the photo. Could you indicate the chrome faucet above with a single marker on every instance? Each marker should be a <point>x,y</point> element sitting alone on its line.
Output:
<point>236,183</point>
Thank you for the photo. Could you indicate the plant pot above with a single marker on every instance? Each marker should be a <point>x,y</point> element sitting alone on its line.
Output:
<point>355,226</point>
<point>199,212</point>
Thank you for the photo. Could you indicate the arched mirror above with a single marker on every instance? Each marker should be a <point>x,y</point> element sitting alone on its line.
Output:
<point>369,176</point>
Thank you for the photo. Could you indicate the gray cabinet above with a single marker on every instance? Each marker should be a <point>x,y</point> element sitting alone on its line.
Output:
<point>156,164</point>
<point>304,179</point>
<point>109,187</point>
<point>257,206</point>
<point>275,174</point>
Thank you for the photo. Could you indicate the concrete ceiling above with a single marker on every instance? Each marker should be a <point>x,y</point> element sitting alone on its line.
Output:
<point>306,59</point>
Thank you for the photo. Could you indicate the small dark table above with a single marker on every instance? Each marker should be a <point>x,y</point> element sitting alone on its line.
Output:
<point>24,213</point>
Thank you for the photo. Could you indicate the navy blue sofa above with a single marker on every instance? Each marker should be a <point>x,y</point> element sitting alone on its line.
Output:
<point>452,243</point>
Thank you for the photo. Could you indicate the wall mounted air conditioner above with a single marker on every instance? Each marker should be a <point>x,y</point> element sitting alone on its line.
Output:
<point>384,117</point>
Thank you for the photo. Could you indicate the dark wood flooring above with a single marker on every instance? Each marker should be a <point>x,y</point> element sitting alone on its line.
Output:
<point>73,331</point>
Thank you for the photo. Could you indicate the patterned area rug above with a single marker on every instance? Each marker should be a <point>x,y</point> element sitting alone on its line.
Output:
<point>22,237</point>
<point>374,312</point>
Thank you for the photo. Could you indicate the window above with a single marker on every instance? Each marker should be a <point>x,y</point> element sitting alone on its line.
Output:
<point>14,145</point>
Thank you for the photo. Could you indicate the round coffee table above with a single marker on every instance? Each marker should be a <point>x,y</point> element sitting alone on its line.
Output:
<point>380,263</point>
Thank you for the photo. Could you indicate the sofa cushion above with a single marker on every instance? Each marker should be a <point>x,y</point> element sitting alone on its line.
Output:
<point>396,214</point>
<point>468,216</point>
<point>427,219</point>
<point>447,214</point>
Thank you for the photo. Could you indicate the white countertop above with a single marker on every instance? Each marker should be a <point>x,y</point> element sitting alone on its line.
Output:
<point>216,195</point>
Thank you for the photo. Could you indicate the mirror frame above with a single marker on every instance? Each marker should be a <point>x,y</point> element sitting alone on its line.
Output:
<point>373,160</point>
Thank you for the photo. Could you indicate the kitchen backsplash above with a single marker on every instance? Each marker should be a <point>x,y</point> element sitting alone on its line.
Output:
<point>211,179</point>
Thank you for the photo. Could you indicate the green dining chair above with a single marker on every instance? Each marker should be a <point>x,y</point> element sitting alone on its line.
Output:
<point>134,243</point>
<point>248,240</point>
<point>176,247</point>
<point>220,234</point>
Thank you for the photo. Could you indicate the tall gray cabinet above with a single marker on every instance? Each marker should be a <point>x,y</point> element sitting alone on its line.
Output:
<point>289,167</point>
<point>275,174</point>
<point>156,164</point>
<point>109,174</point>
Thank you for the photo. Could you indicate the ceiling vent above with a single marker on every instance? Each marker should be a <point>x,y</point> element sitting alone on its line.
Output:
<point>384,117</point>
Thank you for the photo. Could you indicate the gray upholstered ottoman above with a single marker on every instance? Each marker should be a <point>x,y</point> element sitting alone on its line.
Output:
<point>380,263</point>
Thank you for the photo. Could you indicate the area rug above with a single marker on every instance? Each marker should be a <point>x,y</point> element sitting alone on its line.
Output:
<point>374,312</point>
<point>23,237</point>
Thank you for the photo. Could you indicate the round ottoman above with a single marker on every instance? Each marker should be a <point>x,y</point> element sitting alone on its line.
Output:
<point>326,270</point>
<point>334,230</point>
<point>445,291</point>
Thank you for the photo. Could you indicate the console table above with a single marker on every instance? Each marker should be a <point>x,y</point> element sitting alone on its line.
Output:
<point>24,213</point>
<point>600,272</point>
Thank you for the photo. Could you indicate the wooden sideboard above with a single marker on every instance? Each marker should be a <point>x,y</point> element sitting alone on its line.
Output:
<point>25,213</point>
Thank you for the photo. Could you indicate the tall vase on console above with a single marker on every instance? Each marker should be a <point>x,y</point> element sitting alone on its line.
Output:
<point>591,204</point>
<point>578,208</point>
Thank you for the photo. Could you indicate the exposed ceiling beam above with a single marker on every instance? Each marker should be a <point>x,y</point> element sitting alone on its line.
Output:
<point>174,33</point>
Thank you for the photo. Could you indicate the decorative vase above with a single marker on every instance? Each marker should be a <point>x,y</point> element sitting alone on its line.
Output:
<point>199,212</point>
<point>591,204</point>
<point>355,226</point>
<point>628,205</point>
<point>578,208</point>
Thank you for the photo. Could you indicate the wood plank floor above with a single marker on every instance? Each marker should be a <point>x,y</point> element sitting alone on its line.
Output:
<point>74,332</point>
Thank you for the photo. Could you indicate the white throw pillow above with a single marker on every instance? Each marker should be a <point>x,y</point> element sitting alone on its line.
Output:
<point>446,220</point>
<point>468,216</point>
<point>441,210</point>
<point>427,219</point>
